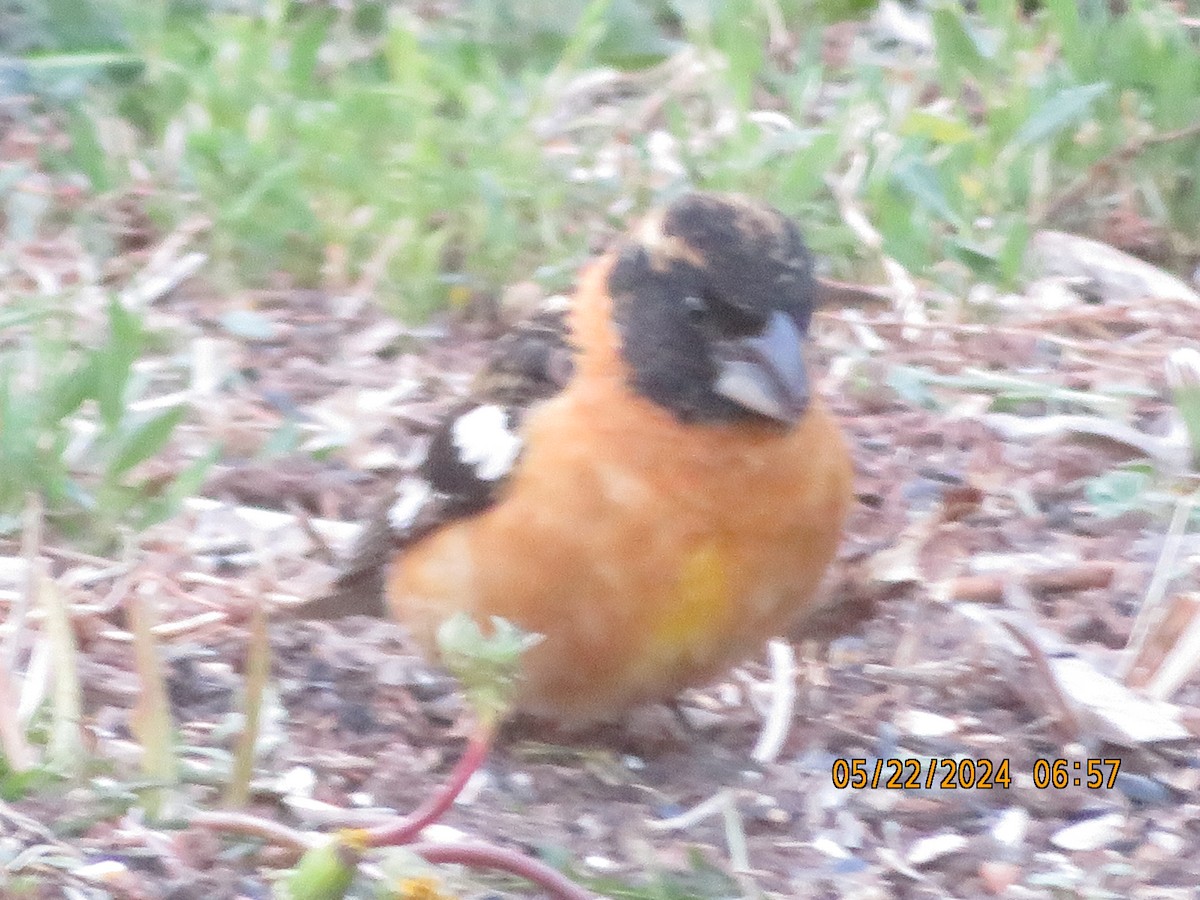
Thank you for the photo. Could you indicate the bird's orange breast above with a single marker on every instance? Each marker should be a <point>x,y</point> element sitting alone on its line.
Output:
<point>651,554</point>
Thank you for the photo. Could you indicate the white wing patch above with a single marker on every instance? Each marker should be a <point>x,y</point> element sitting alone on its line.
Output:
<point>485,442</point>
<point>411,496</point>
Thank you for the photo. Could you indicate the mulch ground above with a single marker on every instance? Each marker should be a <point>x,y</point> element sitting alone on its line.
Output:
<point>978,558</point>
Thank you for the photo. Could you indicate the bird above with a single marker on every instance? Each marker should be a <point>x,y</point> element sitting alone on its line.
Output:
<point>645,478</point>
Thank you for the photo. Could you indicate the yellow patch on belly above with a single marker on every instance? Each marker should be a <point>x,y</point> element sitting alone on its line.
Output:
<point>699,607</point>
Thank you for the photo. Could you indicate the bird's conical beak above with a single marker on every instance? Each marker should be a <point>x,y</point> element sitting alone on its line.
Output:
<point>765,372</point>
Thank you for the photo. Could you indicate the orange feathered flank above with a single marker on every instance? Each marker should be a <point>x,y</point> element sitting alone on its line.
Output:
<point>675,504</point>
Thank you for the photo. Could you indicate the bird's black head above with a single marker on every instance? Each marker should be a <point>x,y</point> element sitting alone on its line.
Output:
<point>712,298</point>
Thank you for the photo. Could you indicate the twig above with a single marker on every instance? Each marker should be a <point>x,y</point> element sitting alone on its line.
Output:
<point>31,544</point>
<point>18,755</point>
<point>1067,722</point>
<point>276,598</point>
<point>735,838</point>
<point>705,809</point>
<point>840,295</point>
<point>1123,154</point>
<point>169,630</point>
<point>342,533</point>
<point>321,547</point>
<point>1042,328</point>
<point>1068,579</point>
<point>258,672</point>
<point>66,746</point>
<point>777,30</point>
<point>151,721</point>
<point>1152,608</point>
<point>783,702</point>
<point>17,750</point>
<point>30,826</point>
<point>266,830</point>
<point>1181,660</point>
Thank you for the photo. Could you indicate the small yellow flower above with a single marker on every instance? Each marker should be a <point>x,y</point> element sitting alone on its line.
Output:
<point>423,888</point>
<point>356,839</point>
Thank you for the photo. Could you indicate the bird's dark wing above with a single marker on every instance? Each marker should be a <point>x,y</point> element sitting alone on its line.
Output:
<point>471,452</point>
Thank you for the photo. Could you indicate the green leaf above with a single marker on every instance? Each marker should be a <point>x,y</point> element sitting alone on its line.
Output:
<point>407,62</point>
<point>67,392</point>
<point>84,25</point>
<point>1118,491</point>
<point>1064,14</point>
<point>62,66</point>
<point>957,46</point>
<point>158,508</point>
<point>145,440</point>
<point>306,45</point>
<point>16,785</point>
<point>632,39</point>
<point>804,168</point>
<point>12,318</point>
<point>829,11</point>
<point>282,441</point>
<point>1183,377</point>
<point>488,665</point>
<point>979,257</point>
<point>911,385</point>
<point>87,151</point>
<point>249,325</point>
<point>188,482</point>
<point>919,180</point>
<point>939,128</point>
<point>1003,13</point>
<point>1012,252</point>
<point>114,362</point>
<point>1058,112</point>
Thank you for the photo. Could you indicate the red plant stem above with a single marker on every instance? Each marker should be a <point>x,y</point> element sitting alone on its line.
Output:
<point>406,829</point>
<point>492,857</point>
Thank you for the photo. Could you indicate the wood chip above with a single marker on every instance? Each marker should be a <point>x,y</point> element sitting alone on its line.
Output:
<point>1109,273</point>
<point>1114,712</point>
<point>935,847</point>
<point>1090,834</point>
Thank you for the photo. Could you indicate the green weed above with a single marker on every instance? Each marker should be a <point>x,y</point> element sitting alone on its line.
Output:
<point>364,148</point>
<point>69,430</point>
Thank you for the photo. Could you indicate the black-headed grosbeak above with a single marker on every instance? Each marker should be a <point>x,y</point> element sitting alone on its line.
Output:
<point>654,487</point>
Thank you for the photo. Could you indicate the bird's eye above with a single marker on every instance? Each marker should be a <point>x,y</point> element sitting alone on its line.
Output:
<point>697,307</point>
<point>714,313</point>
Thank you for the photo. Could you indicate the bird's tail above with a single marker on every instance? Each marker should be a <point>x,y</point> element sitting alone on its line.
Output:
<point>353,593</point>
